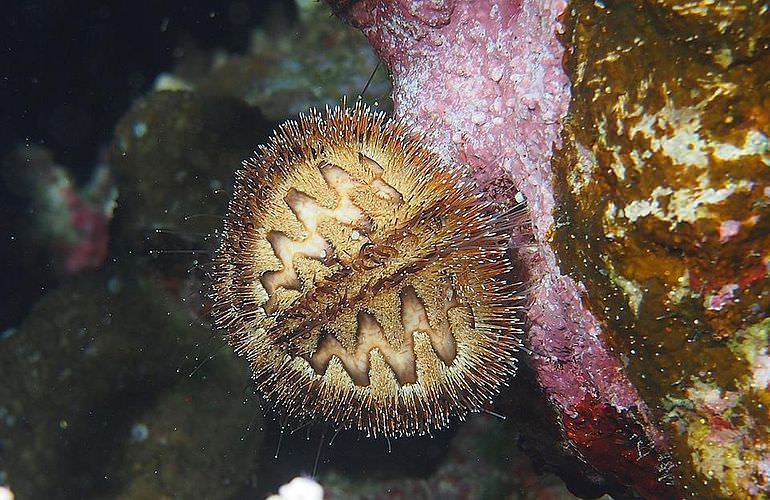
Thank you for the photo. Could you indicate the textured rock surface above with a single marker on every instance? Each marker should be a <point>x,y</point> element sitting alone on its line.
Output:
<point>92,404</point>
<point>484,81</point>
<point>290,66</point>
<point>174,155</point>
<point>479,464</point>
<point>664,216</point>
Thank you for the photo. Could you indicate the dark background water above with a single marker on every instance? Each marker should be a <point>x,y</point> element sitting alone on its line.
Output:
<point>68,71</point>
<point>71,68</point>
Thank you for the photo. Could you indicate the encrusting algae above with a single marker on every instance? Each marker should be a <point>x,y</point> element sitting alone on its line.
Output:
<point>664,191</point>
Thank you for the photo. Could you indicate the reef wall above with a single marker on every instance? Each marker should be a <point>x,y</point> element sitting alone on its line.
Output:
<point>663,214</point>
<point>649,265</point>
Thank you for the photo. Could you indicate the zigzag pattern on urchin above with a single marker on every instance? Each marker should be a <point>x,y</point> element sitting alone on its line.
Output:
<point>370,336</point>
<point>309,213</point>
<point>364,279</point>
<point>369,333</point>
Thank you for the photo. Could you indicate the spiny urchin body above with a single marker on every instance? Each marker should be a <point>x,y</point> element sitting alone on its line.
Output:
<point>366,282</point>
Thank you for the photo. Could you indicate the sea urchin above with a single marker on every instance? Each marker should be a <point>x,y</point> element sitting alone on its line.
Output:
<point>366,281</point>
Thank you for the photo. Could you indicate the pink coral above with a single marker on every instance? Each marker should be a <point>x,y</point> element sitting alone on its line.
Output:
<point>72,220</point>
<point>483,81</point>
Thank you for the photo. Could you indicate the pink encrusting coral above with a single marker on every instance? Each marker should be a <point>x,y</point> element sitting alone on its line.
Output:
<point>484,82</point>
<point>86,246</point>
<point>72,221</point>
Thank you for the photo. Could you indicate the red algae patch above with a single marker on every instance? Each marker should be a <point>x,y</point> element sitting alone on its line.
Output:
<point>365,280</point>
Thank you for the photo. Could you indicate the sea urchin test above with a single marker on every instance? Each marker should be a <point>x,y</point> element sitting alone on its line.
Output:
<point>366,281</point>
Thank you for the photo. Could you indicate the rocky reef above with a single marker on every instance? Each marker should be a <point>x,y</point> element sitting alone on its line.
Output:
<point>97,404</point>
<point>664,215</point>
<point>636,132</point>
<point>649,308</point>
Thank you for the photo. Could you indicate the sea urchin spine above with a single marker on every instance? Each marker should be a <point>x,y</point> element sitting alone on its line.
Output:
<point>366,282</point>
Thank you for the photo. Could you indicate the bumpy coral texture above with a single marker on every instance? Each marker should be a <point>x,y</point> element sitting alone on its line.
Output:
<point>484,81</point>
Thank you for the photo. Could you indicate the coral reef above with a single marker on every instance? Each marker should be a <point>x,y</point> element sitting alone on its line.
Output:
<point>82,370</point>
<point>284,74</point>
<point>664,216</point>
<point>484,82</point>
<point>648,321</point>
<point>70,221</point>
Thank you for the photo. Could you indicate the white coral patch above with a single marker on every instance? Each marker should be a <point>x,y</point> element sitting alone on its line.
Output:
<point>642,208</point>
<point>712,397</point>
<point>682,142</point>
<point>682,289</point>
<point>299,488</point>
<point>610,225</point>
<point>675,132</point>
<point>754,143</point>
<point>761,372</point>
<point>582,173</point>
<point>686,204</point>
<point>631,289</point>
